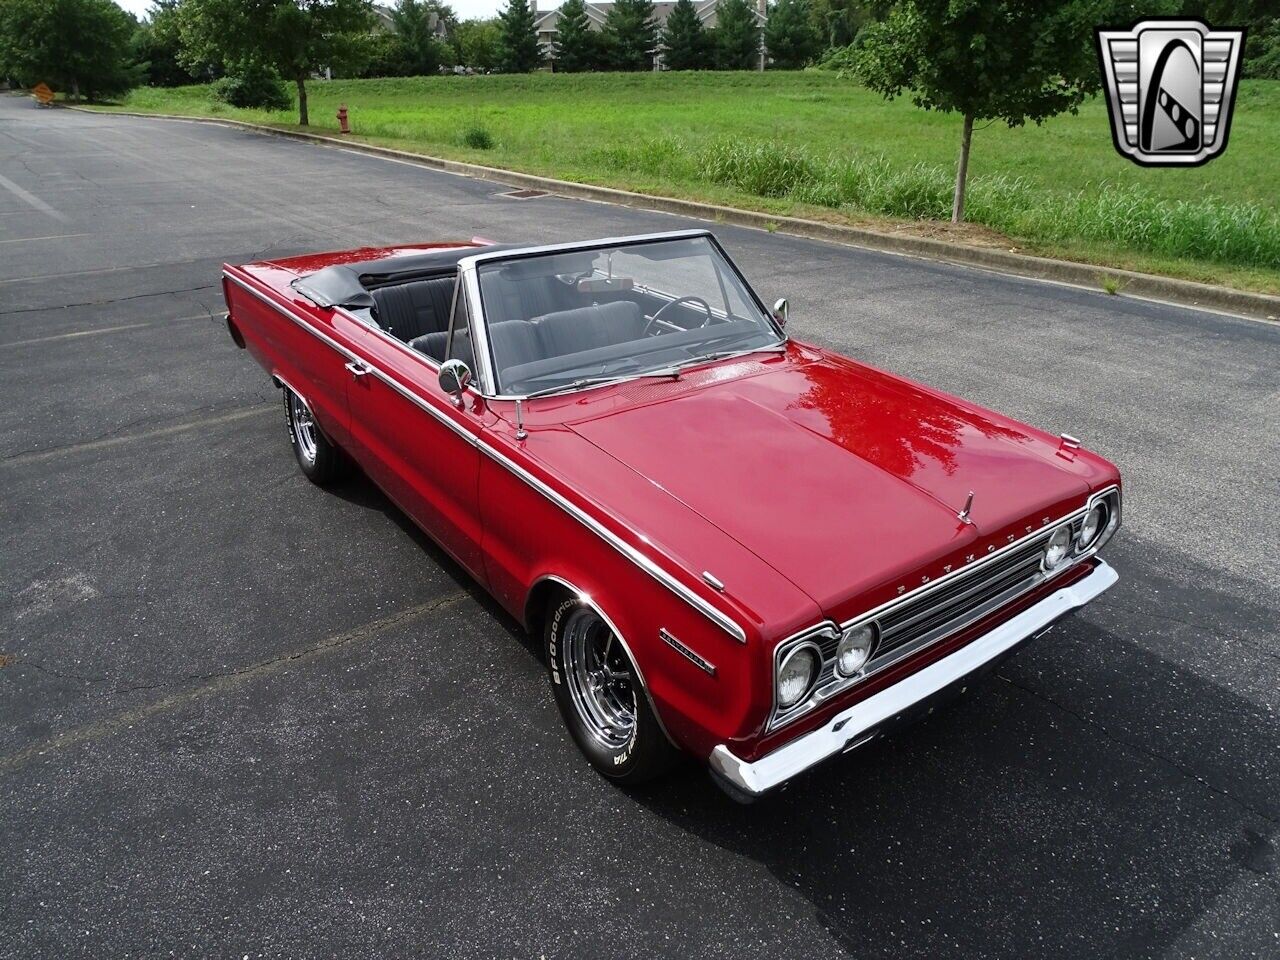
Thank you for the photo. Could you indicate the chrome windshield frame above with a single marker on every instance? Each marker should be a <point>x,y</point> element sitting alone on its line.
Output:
<point>469,279</point>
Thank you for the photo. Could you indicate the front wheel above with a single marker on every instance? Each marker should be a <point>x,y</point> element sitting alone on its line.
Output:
<point>319,459</point>
<point>600,695</point>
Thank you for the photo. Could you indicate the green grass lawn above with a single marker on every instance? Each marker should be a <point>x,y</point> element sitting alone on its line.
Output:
<point>811,144</point>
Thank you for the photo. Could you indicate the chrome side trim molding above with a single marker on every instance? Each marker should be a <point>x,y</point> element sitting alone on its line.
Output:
<point>674,643</point>
<point>300,321</point>
<point>846,729</point>
<point>718,617</point>
<point>375,371</point>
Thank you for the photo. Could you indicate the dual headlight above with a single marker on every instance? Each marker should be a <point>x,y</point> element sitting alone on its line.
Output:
<point>1099,523</point>
<point>799,669</point>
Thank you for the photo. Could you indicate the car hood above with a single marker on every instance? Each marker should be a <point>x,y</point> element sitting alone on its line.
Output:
<point>844,479</point>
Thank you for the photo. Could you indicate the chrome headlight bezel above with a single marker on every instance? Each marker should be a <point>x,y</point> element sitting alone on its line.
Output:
<point>1061,542</point>
<point>869,630</point>
<point>814,653</point>
<point>1086,538</point>
<point>1111,501</point>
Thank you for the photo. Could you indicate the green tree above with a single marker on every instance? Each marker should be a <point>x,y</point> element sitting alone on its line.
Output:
<point>837,22</point>
<point>518,50</point>
<point>577,47</point>
<point>686,42</point>
<point>789,35</point>
<point>1264,51</point>
<point>1009,60</point>
<point>737,36</point>
<point>417,49</point>
<point>156,47</point>
<point>479,44</point>
<point>296,38</point>
<point>79,46</point>
<point>1261,20</point>
<point>630,34</point>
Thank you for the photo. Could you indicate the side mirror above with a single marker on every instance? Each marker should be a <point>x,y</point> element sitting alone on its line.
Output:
<point>455,376</point>
<point>780,311</point>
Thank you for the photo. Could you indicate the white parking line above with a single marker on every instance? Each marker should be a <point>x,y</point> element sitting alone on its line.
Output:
<point>84,333</point>
<point>219,683</point>
<point>35,456</point>
<point>60,236</point>
<point>32,199</point>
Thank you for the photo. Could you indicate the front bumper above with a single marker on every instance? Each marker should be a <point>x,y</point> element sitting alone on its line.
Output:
<point>862,721</point>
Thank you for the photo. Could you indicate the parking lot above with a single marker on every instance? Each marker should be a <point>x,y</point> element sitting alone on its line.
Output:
<point>240,715</point>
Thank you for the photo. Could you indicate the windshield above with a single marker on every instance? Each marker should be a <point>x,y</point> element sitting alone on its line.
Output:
<point>610,313</point>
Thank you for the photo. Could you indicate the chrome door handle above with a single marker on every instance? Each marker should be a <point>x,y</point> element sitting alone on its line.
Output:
<point>357,368</point>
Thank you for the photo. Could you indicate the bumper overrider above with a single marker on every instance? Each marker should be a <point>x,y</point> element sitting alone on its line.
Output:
<point>861,722</point>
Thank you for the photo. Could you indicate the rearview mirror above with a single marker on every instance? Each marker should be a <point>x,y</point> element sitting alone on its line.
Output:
<point>455,376</point>
<point>780,309</point>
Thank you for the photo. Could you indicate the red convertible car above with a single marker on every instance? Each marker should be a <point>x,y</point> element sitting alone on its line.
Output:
<point>734,544</point>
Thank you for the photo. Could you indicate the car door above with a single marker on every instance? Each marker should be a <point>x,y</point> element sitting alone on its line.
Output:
<point>416,443</point>
<point>304,346</point>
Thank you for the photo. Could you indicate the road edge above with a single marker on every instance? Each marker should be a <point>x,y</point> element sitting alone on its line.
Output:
<point>1143,286</point>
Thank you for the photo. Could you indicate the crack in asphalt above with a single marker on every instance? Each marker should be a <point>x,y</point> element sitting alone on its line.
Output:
<point>1106,732</point>
<point>102,303</point>
<point>211,683</point>
<point>1194,624</point>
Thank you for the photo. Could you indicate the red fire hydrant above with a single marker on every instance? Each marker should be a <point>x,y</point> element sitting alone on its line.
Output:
<point>343,126</point>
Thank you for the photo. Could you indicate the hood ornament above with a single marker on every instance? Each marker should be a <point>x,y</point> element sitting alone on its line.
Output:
<point>963,515</point>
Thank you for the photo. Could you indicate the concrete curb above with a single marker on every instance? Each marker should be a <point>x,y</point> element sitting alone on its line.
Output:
<point>1140,285</point>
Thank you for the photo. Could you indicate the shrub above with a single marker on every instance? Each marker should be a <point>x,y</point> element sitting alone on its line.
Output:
<point>761,169</point>
<point>1244,234</point>
<point>478,138</point>
<point>252,85</point>
<point>659,157</point>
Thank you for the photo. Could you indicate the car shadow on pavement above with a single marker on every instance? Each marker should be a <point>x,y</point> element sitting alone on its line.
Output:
<point>357,489</point>
<point>1090,799</point>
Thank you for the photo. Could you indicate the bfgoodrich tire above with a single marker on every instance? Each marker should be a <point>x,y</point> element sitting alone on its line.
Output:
<point>600,695</point>
<point>318,459</point>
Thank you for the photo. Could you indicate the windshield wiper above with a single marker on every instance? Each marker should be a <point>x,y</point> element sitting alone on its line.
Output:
<point>573,385</point>
<point>596,381</point>
<point>726,354</point>
<point>673,371</point>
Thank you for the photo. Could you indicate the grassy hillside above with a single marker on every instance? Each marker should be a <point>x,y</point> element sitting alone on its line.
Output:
<point>811,144</point>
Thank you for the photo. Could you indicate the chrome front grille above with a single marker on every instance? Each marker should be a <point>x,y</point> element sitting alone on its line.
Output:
<point>968,597</point>
<point>932,613</point>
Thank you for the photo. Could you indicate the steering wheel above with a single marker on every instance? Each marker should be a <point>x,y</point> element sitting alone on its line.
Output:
<point>653,321</point>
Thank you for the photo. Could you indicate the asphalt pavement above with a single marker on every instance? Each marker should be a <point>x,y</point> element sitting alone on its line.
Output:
<point>242,716</point>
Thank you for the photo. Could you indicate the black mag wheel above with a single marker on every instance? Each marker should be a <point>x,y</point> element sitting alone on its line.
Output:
<point>601,697</point>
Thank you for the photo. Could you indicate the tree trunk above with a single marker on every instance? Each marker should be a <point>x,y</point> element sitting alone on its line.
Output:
<point>302,101</point>
<point>962,171</point>
<point>75,89</point>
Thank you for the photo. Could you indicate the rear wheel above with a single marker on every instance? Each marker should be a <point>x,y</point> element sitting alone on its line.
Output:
<point>600,696</point>
<point>319,459</point>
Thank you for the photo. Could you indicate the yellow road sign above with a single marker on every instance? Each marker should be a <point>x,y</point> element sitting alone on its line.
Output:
<point>42,93</point>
